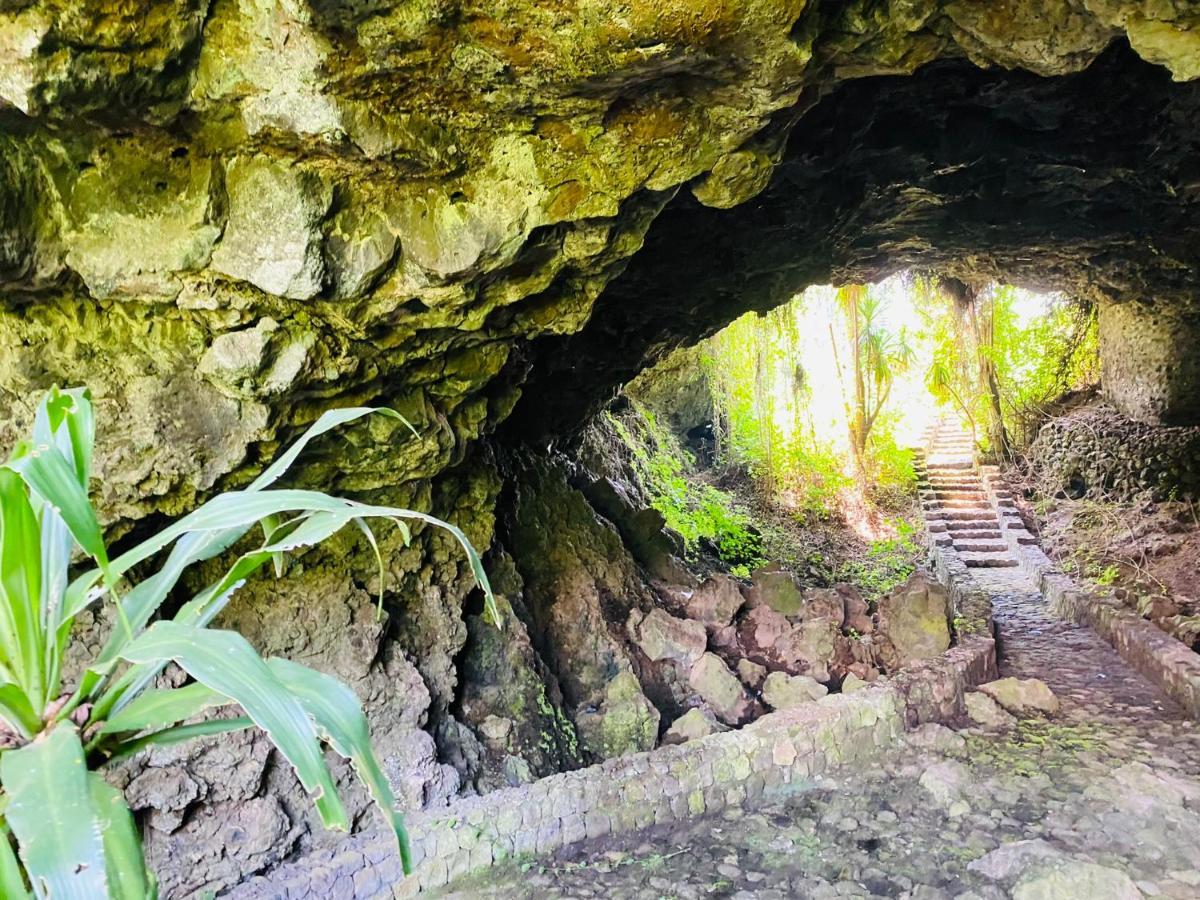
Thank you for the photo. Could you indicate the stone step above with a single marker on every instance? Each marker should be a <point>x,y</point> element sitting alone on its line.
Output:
<point>978,533</point>
<point>964,502</point>
<point>980,546</point>
<point>953,465</point>
<point>988,561</point>
<point>963,515</point>
<point>971,525</point>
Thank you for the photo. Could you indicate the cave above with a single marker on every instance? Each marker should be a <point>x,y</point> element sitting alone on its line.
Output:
<point>227,218</point>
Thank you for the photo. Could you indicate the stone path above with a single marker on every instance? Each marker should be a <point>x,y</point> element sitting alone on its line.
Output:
<point>1098,802</point>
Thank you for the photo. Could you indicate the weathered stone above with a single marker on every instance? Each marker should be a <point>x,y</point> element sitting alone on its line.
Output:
<point>1011,859</point>
<point>823,603</point>
<point>693,724</point>
<point>273,238</point>
<point>1022,696</point>
<point>625,721</point>
<point>777,590</point>
<point>663,637</point>
<point>946,781</point>
<point>757,631</point>
<point>915,620</point>
<point>809,648</point>
<point>986,711</point>
<point>716,601</point>
<point>721,690</point>
<point>1076,880</point>
<point>783,691</point>
<point>852,683</point>
<point>751,674</point>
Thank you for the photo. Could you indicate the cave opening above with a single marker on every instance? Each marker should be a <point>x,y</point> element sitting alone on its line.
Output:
<point>817,381</point>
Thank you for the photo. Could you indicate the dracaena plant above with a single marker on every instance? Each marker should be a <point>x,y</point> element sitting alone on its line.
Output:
<point>64,831</point>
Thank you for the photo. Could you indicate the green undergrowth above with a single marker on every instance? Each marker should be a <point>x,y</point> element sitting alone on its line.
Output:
<point>887,563</point>
<point>707,518</point>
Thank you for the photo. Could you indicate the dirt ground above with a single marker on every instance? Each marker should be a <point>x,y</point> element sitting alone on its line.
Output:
<point>1146,553</point>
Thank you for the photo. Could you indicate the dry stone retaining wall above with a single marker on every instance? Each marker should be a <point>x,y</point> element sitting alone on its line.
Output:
<point>1174,667</point>
<point>780,753</point>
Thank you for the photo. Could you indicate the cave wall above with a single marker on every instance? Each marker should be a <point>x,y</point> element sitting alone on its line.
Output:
<point>227,217</point>
<point>1150,367</point>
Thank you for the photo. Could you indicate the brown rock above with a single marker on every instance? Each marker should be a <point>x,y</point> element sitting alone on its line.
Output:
<point>693,724</point>
<point>757,632</point>
<point>662,637</point>
<point>751,673</point>
<point>777,590</point>
<point>783,691</point>
<point>808,648</point>
<point>716,601</point>
<point>823,603</point>
<point>915,620</point>
<point>1022,696</point>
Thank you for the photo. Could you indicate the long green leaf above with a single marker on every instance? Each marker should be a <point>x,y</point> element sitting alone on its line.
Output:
<point>327,422</point>
<point>47,471</point>
<point>164,708</point>
<point>16,709</point>
<point>225,662</point>
<point>51,814</point>
<point>179,734</point>
<point>339,718</point>
<point>12,882</point>
<point>124,862</point>
<point>21,583</point>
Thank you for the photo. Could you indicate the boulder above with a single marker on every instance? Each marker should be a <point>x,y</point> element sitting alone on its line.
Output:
<point>693,724</point>
<point>945,781</point>
<point>985,711</point>
<point>751,673</point>
<point>915,620</point>
<point>1008,860</point>
<point>757,631</point>
<point>823,603</point>
<point>809,648</point>
<point>1076,880</point>
<point>716,601</point>
<point>783,691</point>
<point>777,590</point>
<point>721,690</point>
<point>852,683</point>
<point>1022,696</point>
<point>625,721</point>
<point>663,637</point>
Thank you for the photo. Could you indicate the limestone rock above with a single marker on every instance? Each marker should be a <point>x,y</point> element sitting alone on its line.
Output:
<point>809,648</point>
<point>273,238</point>
<point>915,620</point>
<point>625,722</point>
<point>777,590</point>
<point>751,673</point>
<point>985,711</point>
<point>662,637</point>
<point>823,603</point>
<point>695,723</point>
<point>783,691</point>
<point>716,601</point>
<point>758,629</point>
<point>1076,880</point>
<point>946,781</point>
<point>856,613</point>
<point>1022,696</point>
<point>1009,860</point>
<point>852,683</point>
<point>721,690</point>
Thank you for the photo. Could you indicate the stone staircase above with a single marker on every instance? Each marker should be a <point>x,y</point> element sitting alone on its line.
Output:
<point>958,513</point>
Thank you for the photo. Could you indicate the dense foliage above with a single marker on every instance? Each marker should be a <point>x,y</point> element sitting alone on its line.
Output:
<point>1001,352</point>
<point>706,517</point>
<point>64,831</point>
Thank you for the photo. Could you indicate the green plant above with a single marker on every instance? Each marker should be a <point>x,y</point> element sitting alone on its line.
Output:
<point>64,831</point>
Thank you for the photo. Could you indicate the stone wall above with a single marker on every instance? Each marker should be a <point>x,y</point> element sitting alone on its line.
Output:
<point>1097,451</point>
<point>781,753</point>
<point>1150,370</point>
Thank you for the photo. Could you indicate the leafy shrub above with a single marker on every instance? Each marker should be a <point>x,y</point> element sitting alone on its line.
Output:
<point>64,831</point>
<point>703,515</point>
<point>888,563</point>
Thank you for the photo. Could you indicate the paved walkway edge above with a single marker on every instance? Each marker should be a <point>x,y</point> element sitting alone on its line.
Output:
<point>1167,662</point>
<point>781,753</point>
